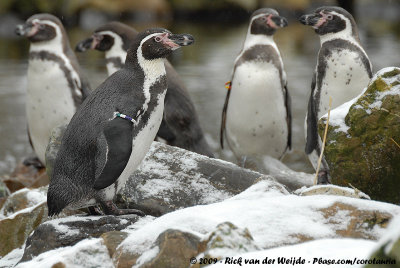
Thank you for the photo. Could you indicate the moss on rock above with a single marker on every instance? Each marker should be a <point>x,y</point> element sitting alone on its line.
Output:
<point>365,153</point>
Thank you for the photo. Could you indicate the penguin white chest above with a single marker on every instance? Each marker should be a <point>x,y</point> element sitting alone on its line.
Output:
<point>49,102</point>
<point>142,141</point>
<point>256,116</point>
<point>345,78</point>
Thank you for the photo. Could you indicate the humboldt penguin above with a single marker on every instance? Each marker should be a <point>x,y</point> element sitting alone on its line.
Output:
<point>343,70</point>
<point>180,126</point>
<point>56,86</point>
<point>256,117</point>
<point>114,127</point>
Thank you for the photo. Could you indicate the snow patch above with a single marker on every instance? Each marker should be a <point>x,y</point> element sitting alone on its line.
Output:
<point>288,217</point>
<point>324,248</point>
<point>85,254</point>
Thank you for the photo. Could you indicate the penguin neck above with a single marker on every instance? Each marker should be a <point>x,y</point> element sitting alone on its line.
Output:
<point>258,39</point>
<point>153,71</point>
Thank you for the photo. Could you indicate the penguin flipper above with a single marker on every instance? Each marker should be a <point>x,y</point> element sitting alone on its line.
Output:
<point>312,131</point>
<point>288,104</point>
<point>223,120</point>
<point>85,88</point>
<point>118,135</point>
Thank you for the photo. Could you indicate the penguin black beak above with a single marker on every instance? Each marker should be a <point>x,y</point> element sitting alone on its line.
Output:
<point>24,29</point>
<point>279,21</point>
<point>84,45</point>
<point>310,19</point>
<point>174,41</point>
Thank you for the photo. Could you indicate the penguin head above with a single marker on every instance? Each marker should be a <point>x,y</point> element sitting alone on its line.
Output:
<point>266,21</point>
<point>156,43</point>
<point>111,36</point>
<point>40,28</point>
<point>326,20</point>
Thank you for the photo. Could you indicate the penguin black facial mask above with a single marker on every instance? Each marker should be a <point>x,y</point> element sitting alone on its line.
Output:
<point>162,44</point>
<point>36,31</point>
<point>324,22</point>
<point>267,24</point>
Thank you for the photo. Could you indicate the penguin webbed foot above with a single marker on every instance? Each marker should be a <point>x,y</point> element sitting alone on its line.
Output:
<point>109,208</point>
<point>95,211</point>
<point>323,177</point>
<point>33,161</point>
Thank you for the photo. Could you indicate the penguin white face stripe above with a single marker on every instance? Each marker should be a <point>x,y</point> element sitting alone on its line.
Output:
<point>117,50</point>
<point>347,33</point>
<point>55,46</point>
<point>153,70</point>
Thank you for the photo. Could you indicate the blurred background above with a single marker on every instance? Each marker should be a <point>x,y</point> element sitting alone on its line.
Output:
<point>219,27</point>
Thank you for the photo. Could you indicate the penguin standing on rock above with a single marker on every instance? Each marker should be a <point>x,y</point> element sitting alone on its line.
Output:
<point>256,118</point>
<point>180,126</point>
<point>55,85</point>
<point>113,129</point>
<point>343,70</point>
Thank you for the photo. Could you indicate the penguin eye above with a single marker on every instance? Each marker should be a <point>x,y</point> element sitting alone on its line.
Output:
<point>158,39</point>
<point>329,16</point>
<point>42,26</point>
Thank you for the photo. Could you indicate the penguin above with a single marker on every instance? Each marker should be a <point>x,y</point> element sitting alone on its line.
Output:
<point>56,86</point>
<point>256,116</point>
<point>180,126</point>
<point>343,70</point>
<point>112,130</point>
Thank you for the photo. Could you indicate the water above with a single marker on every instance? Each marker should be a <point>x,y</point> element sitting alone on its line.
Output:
<point>204,68</point>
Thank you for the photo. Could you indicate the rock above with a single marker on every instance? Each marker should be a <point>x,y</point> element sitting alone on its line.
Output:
<point>226,240</point>
<point>272,216</point>
<point>4,192</point>
<point>25,176</point>
<point>356,223</point>
<point>70,230</point>
<point>173,248</point>
<point>112,239</point>
<point>23,199</point>
<point>362,146</point>
<point>15,228</point>
<point>53,147</point>
<point>171,178</point>
<point>85,254</point>
<point>388,248</point>
<point>331,190</point>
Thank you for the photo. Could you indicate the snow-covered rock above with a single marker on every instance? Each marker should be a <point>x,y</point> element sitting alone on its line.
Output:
<point>270,215</point>
<point>172,178</point>
<point>22,212</point>
<point>273,218</point>
<point>317,253</point>
<point>85,254</point>
<point>362,146</point>
<point>68,231</point>
<point>388,247</point>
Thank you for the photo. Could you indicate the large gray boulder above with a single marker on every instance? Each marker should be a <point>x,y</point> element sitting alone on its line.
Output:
<point>171,178</point>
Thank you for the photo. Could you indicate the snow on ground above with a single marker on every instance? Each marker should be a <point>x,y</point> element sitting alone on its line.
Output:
<point>85,254</point>
<point>313,254</point>
<point>391,235</point>
<point>272,217</point>
<point>12,257</point>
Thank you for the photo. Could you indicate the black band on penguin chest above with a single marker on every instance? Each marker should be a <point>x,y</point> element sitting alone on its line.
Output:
<point>48,56</point>
<point>156,89</point>
<point>261,53</point>
<point>325,53</point>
